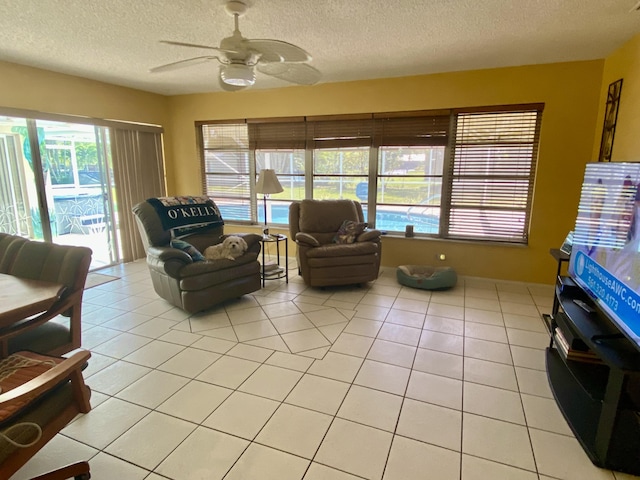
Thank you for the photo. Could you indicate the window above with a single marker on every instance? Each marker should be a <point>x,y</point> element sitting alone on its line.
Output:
<point>226,168</point>
<point>410,166</point>
<point>280,145</point>
<point>451,174</point>
<point>341,156</point>
<point>491,175</point>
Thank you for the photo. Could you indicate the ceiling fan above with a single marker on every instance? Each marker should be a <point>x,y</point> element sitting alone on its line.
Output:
<point>239,56</point>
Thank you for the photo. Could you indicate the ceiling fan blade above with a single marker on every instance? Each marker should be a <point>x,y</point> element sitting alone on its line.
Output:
<point>278,51</point>
<point>182,63</point>
<point>299,73</point>
<point>228,88</point>
<point>193,45</point>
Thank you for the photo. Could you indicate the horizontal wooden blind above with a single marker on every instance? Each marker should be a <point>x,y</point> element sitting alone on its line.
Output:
<point>277,135</point>
<point>225,157</point>
<point>357,132</point>
<point>491,175</point>
<point>413,131</point>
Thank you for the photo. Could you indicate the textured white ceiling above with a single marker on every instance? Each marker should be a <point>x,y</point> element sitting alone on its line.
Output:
<point>116,41</point>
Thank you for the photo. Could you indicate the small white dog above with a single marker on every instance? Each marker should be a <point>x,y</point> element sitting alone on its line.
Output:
<point>231,248</point>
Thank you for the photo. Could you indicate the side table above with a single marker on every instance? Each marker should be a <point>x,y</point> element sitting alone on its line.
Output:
<point>277,239</point>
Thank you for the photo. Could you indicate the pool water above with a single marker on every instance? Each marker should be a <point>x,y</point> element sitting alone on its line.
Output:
<point>389,221</point>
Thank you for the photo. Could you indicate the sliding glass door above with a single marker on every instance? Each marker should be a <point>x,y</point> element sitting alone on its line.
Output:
<point>19,205</point>
<point>56,185</point>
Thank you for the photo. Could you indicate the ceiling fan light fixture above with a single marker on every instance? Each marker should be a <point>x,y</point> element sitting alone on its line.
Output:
<point>238,75</point>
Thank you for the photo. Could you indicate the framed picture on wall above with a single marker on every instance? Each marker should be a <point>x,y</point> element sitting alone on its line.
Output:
<point>610,119</point>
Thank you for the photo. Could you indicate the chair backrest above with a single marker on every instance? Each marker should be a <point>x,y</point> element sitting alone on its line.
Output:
<point>322,218</point>
<point>9,245</point>
<point>155,235</point>
<point>51,262</point>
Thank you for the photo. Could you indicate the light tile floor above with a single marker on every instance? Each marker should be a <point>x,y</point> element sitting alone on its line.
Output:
<point>289,383</point>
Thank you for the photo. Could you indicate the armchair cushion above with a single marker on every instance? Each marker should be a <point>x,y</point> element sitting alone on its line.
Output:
<point>346,250</point>
<point>17,369</point>
<point>326,216</point>
<point>193,252</point>
<point>349,231</point>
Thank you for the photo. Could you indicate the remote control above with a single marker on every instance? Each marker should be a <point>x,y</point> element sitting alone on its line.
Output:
<point>584,306</point>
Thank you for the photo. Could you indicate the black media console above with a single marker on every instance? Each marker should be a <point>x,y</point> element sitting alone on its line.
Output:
<point>597,385</point>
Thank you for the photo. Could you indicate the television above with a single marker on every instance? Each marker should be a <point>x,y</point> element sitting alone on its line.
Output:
<point>605,256</point>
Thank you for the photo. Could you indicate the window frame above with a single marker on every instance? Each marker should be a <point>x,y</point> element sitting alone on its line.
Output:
<point>519,133</point>
<point>376,131</point>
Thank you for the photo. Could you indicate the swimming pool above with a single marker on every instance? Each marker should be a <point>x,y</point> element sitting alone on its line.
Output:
<point>392,221</point>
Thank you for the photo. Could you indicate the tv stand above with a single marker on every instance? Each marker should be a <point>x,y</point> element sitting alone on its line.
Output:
<point>607,336</point>
<point>600,399</point>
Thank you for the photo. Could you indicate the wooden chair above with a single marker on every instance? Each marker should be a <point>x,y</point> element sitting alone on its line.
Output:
<point>40,395</point>
<point>63,264</point>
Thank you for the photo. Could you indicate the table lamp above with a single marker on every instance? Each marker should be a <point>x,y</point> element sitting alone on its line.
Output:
<point>267,183</point>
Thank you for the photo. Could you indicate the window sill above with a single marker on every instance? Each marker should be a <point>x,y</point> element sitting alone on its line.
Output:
<point>400,236</point>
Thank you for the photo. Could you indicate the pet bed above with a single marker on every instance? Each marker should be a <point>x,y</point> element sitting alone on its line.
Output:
<point>426,277</point>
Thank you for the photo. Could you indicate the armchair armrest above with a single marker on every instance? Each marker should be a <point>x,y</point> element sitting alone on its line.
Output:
<point>306,239</point>
<point>369,235</point>
<point>167,260</point>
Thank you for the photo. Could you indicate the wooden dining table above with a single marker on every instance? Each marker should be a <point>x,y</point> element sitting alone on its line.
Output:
<point>22,298</point>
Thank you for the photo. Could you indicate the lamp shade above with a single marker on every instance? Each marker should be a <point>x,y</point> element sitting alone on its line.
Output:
<point>268,182</point>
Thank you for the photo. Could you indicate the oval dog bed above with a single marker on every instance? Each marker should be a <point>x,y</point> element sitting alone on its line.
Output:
<point>426,277</point>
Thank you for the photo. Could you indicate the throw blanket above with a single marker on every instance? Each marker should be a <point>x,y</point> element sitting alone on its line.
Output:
<point>184,215</point>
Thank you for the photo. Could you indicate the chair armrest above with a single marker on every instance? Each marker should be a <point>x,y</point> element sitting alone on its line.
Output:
<point>165,254</point>
<point>167,260</point>
<point>369,235</point>
<point>306,239</point>
<point>42,383</point>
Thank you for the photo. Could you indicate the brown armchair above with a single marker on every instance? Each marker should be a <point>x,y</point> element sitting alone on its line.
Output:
<point>45,391</point>
<point>314,224</point>
<point>195,285</point>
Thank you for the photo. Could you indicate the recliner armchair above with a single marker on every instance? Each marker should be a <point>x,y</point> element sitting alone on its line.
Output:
<point>315,225</point>
<point>195,285</point>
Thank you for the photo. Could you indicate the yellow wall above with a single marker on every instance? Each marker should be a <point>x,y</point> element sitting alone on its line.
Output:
<point>623,63</point>
<point>44,91</point>
<point>570,92</point>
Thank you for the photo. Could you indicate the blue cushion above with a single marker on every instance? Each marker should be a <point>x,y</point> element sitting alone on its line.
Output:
<point>188,248</point>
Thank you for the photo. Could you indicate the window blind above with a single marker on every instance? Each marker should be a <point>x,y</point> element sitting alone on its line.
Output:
<point>225,160</point>
<point>283,135</point>
<point>416,130</point>
<point>336,133</point>
<point>491,175</point>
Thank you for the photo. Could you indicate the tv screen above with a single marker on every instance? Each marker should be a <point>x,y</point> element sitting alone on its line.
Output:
<point>605,257</point>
